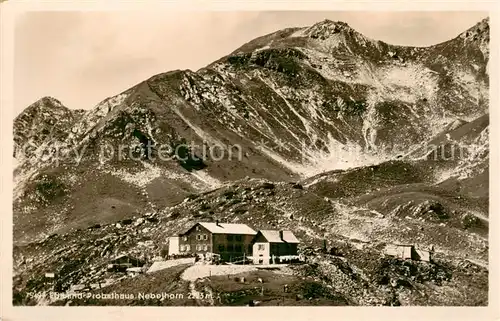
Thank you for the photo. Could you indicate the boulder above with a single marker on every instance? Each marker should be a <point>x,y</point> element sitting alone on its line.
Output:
<point>268,186</point>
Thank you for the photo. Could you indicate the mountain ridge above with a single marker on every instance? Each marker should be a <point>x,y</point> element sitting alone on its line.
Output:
<point>469,33</point>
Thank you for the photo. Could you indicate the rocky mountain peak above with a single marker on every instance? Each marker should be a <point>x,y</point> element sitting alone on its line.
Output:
<point>46,109</point>
<point>327,28</point>
<point>479,34</point>
<point>480,28</point>
<point>45,120</point>
<point>50,100</point>
<point>47,104</point>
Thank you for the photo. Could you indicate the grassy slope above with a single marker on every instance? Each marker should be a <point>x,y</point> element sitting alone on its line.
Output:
<point>164,281</point>
<point>301,291</point>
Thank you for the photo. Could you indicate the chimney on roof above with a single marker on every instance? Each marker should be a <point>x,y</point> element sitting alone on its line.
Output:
<point>281,235</point>
<point>217,223</point>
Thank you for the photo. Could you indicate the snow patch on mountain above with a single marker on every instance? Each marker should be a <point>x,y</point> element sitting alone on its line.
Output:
<point>278,91</point>
<point>408,84</point>
<point>474,159</point>
<point>470,86</point>
<point>146,175</point>
<point>206,137</point>
<point>209,181</point>
<point>140,179</point>
<point>293,166</point>
<point>339,156</point>
<point>335,156</point>
<point>21,177</point>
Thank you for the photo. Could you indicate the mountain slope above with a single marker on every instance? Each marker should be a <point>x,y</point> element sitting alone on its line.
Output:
<point>366,143</point>
<point>282,107</point>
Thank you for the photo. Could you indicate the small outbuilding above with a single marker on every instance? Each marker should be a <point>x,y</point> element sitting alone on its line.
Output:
<point>123,262</point>
<point>408,251</point>
<point>272,246</point>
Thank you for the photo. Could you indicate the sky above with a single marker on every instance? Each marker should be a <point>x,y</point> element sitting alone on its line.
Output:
<point>81,58</point>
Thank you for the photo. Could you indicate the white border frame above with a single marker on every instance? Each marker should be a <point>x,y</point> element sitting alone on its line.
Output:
<point>9,9</point>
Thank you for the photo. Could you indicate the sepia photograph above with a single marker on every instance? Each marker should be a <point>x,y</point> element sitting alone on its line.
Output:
<point>250,158</point>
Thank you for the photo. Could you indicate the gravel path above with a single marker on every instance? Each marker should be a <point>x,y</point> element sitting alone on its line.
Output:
<point>199,271</point>
<point>161,265</point>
